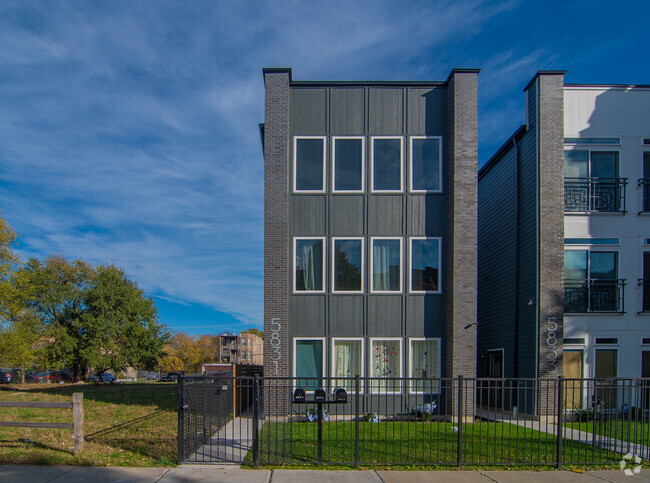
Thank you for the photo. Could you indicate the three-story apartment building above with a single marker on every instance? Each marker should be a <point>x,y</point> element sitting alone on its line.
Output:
<point>564,258</point>
<point>370,229</point>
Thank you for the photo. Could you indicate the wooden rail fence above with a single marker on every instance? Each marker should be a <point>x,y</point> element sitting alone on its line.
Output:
<point>77,424</point>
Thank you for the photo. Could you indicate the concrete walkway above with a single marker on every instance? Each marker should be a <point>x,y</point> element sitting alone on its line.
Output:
<point>230,445</point>
<point>196,473</point>
<point>602,442</point>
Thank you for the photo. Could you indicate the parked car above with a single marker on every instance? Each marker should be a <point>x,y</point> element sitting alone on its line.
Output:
<point>170,377</point>
<point>5,377</point>
<point>52,376</point>
<point>105,377</point>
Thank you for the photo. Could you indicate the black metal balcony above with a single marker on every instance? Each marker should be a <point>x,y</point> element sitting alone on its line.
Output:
<point>645,184</point>
<point>590,296</point>
<point>604,195</point>
<point>644,283</point>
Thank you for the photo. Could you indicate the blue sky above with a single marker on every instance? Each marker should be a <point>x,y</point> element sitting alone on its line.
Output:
<point>128,129</point>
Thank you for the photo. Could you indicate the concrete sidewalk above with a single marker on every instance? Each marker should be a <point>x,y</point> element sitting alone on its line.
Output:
<point>195,473</point>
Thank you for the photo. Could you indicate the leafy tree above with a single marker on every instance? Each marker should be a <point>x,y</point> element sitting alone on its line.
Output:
<point>253,330</point>
<point>186,353</point>
<point>96,317</point>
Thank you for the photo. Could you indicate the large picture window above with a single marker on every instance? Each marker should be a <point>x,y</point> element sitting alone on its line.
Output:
<point>309,264</point>
<point>347,260</point>
<point>309,164</point>
<point>347,361</point>
<point>426,163</point>
<point>308,363</point>
<point>425,265</point>
<point>386,259</point>
<point>386,359</point>
<point>348,163</point>
<point>387,163</point>
<point>424,366</point>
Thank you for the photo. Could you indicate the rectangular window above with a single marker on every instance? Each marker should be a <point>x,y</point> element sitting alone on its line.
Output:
<point>425,366</point>
<point>348,163</point>
<point>386,261</point>
<point>386,368</point>
<point>347,259</point>
<point>592,140</point>
<point>573,365</point>
<point>347,361</point>
<point>309,264</point>
<point>590,281</point>
<point>425,265</point>
<point>426,164</point>
<point>591,241</point>
<point>309,164</point>
<point>308,363</point>
<point>387,165</point>
<point>592,183</point>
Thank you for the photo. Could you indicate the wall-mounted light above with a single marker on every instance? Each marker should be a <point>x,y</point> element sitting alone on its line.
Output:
<point>532,302</point>
<point>469,325</point>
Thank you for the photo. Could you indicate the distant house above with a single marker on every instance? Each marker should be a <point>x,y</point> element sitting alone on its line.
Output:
<point>240,349</point>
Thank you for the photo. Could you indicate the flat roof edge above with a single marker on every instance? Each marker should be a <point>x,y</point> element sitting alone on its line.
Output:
<point>619,86</point>
<point>544,72</point>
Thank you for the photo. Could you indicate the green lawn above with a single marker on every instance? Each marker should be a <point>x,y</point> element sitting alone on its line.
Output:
<point>635,431</point>
<point>124,425</point>
<point>410,442</point>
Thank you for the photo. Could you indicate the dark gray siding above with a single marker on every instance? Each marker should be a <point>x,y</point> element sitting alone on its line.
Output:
<point>497,231</point>
<point>324,110</point>
<point>528,251</point>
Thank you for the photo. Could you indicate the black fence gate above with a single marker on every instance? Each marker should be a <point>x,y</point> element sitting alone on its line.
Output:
<point>215,415</point>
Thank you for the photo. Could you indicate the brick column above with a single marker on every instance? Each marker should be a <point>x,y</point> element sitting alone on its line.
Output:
<point>276,237</point>
<point>460,242</point>
<point>551,229</point>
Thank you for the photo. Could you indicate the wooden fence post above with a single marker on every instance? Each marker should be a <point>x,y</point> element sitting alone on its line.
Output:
<point>78,420</point>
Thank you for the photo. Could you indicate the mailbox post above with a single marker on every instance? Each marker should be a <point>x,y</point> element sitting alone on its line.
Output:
<point>320,397</point>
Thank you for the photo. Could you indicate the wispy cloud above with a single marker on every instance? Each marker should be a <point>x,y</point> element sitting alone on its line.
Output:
<point>128,131</point>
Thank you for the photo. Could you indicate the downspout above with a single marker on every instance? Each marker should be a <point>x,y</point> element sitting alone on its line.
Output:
<point>517,236</point>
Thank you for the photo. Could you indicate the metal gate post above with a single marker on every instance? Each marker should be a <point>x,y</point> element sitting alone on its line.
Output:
<point>460,421</point>
<point>356,421</point>
<point>560,384</point>
<point>256,418</point>
<point>181,422</point>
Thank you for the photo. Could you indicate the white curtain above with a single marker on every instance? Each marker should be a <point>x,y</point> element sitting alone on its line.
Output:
<point>308,267</point>
<point>424,365</point>
<point>347,361</point>
<point>381,266</point>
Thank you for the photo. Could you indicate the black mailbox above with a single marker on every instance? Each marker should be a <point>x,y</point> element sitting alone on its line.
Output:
<point>340,395</point>
<point>299,395</point>
<point>320,395</point>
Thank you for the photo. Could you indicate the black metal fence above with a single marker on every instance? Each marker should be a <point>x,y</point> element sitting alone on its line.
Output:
<point>408,421</point>
<point>594,295</point>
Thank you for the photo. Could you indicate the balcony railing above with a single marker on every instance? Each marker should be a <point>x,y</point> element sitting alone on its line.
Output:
<point>605,195</point>
<point>644,283</point>
<point>645,184</point>
<point>589,296</point>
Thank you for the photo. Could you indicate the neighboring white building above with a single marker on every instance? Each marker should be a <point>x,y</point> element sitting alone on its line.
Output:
<point>607,231</point>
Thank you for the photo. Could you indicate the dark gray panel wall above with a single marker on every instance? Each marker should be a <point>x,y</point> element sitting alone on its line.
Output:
<point>386,111</point>
<point>385,215</point>
<point>308,215</point>
<point>425,111</point>
<point>307,314</point>
<point>348,111</point>
<point>366,110</point>
<point>308,110</point>
<point>347,215</point>
<point>385,315</point>
<point>346,315</point>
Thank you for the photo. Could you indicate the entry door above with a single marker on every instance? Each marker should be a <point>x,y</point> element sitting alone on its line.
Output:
<point>573,363</point>
<point>495,370</point>
<point>645,372</point>
<point>606,367</point>
<point>646,279</point>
